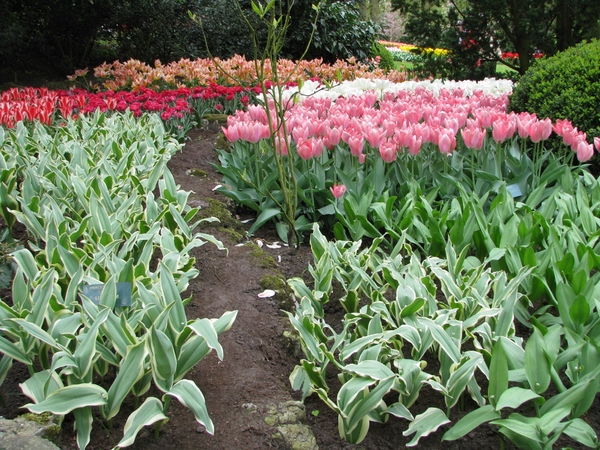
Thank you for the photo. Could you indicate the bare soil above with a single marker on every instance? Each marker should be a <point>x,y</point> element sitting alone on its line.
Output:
<point>254,372</point>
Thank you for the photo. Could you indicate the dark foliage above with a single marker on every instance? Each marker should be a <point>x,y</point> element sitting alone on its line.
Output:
<point>67,35</point>
<point>60,35</point>
<point>478,31</point>
<point>386,61</point>
<point>341,32</point>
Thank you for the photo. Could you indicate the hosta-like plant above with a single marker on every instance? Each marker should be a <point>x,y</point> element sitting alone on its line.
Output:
<point>87,197</point>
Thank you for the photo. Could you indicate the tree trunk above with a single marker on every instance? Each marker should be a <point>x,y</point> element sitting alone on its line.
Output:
<point>364,9</point>
<point>564,24</point>
<point>374,10</point>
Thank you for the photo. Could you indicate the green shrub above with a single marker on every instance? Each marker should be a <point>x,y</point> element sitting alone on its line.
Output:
<point>565,86</point>
<point>386,61</point>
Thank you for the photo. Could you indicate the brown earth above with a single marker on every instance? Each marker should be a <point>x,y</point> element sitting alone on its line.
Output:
<point>253,375</point>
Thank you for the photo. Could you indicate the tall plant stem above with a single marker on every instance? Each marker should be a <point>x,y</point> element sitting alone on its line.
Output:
<point>473,169</point>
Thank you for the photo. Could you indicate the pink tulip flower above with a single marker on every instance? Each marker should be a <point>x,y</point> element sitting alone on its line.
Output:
<point>473,137</point>
<point>540,130</point>
<point>300,132</point>
<point>232,132</point>
<point>304,148</point>
<point>584,151</point>
<point>356,144</point>
<point>503,129</point>
<point>414,145</point>
<point>524,120</point>
<point>597,143</point>
<point>446,141</point>
<point>281,145</point>
<point>332,138</point>
<point>561,126</point>
<point>338,190</point>
<point>578,139</point>
<point>387,150</point>
<point>375,136</point>
<point>569,134</point>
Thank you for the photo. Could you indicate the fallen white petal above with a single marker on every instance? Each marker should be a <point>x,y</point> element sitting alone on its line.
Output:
<point>278,258</point>
<point>274,245</point>
<point>259,242</point>
<point>266,293</point>
<point>217,187</point>
<point>247,220</point>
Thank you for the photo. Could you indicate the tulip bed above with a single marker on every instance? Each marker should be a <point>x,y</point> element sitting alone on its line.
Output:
<point>180,109</point>
<point>455,223</point>
<point>475,229</point>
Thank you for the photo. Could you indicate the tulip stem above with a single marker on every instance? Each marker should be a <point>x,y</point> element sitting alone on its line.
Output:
<point>473,168</point>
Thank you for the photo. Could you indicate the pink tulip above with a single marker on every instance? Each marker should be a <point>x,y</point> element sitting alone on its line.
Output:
<point>356,145</point>
<point>524,120</point>
<point>414,145</point>
<point>473,137</point>
<point>578,139</point>
<point>540,130</point>
<point>281,145</point>
<point>317,147</point>
<point>584,151</point>
<point>304,149</point>
<point>257,113</point>
<point>503,129</point>
<point>486,117</point>
<point>338,190</point>
<point>446,141</point>
<point>232,132</point>
<point>423,131</point>
<point>597,143</point>
<point>569,134</point>
<point>401,137</point>
<point>300,132</point>
<point>452,123</point>
<point>374,136</point>
<point>561,126</point>
<point>387,150</point>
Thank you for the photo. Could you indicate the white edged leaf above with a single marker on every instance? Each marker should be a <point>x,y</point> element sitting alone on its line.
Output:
<point>151,411</point>
<point>425,424</point>
<point>191,396</point>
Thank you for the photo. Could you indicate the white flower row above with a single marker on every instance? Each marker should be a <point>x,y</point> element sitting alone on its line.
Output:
<point>489,86</point>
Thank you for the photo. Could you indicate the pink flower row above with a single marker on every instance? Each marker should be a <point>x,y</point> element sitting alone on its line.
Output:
<point>400,122</point>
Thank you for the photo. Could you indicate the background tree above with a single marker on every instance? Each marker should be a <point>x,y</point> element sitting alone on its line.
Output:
<point>341,32</point>
<point>478,31</point>
<point>60,35</point>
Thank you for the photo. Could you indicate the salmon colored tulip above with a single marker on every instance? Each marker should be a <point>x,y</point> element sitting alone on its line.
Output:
<point>338,190</point>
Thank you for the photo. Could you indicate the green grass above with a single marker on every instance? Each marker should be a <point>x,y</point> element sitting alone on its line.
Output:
<point>403,65</point>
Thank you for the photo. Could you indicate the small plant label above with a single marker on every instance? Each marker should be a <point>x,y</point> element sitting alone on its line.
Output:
<point>94,291</point>
<point>514,190</point>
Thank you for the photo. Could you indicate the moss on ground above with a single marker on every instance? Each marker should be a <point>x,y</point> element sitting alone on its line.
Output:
<point>226,224</point>
<point>261,258</point>
<point>52,431</point>
<point>198,172</point>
